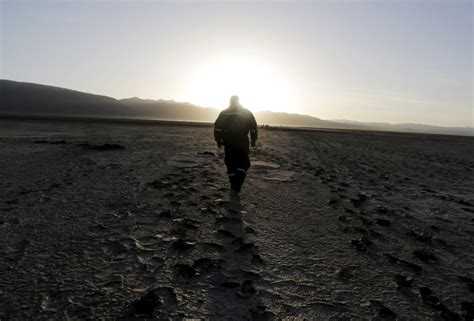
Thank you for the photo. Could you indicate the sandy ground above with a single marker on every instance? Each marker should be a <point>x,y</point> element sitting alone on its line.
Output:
<point>330,225</point>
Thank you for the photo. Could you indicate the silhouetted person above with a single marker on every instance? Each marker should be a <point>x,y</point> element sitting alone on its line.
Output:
<point>231,130</point>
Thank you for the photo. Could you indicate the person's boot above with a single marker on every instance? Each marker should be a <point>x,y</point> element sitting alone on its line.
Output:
<point>239,180</point>
<point>232,180</point>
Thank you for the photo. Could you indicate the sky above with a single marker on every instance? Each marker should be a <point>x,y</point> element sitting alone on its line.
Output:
<point>376,61</point>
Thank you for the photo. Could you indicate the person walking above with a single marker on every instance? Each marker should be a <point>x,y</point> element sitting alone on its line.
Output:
<point>231,130</point>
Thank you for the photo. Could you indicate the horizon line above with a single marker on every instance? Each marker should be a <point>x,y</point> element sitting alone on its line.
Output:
<point>338,120</point>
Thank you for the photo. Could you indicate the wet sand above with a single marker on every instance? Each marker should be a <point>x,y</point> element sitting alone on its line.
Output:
<point>133,221</point>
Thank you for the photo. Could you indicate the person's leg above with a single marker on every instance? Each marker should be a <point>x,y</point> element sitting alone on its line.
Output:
<point>230,163</point>
<point>243,164</point>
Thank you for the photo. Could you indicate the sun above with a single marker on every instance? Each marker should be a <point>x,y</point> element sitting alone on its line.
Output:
<point>259,85</point>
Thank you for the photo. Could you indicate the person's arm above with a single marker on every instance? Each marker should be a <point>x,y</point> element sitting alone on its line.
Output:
<point>218,130</point>
<point>253,130</point>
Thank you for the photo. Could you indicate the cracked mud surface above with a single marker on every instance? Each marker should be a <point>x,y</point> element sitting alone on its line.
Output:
<point>123,221</point>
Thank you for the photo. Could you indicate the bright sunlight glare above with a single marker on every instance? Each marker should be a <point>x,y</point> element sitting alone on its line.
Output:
<point>259,85</point>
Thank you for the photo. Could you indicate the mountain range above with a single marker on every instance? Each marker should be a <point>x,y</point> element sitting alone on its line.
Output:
<point>22,98</point>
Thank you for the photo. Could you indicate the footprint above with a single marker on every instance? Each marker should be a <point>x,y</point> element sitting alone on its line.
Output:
<point>185,270</point>
<point>343,219</point>
<point>361,244</point>
<point>250,275</point>
<point>260,313</point>
<point>359,200</point>
<point>187,223</point>
<point>153,263</point>
<point>257,259</point>
<point>12,201</point>
<point>438,241</point>
<point>116,248</point>
<point>365,221</point>
<point>383,222</point>
<point>230,285</point>
<point>419,236</point>
<point>207,210</point>
<point>165,213</point>
<point>469,282</point>
<point>403,281</point>
<point>175,203</point>
<point>250,230</point>
<point>247,289</point>
<point>204,265</point>
<point>429,298</point>
<point>410,265</point>
<point>214,246</point>
<point>356,229</point>
<point>178,231</point>
<point>246,247</point>
<point>468,310</point>
<point>155,301</point>
<point>346,272</point>
<point>348,210</point>
<point>425,255</point>
<point>386,314</point>
<point>222,220</point>
<point>375,234</point>
<point>239,241</point>
<point>226,233</point>
<point>54,301</point>
<point>183,245</point>
<point>382,210</point>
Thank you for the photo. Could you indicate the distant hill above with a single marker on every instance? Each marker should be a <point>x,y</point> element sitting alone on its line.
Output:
<point>297,120</point>
<point>28,98</point>
<point>412,128</point>
<point>35,99</point>
<point>21,98</point>
<point>168,109</point>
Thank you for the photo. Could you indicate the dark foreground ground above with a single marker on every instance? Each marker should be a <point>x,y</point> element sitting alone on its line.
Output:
<point>331,225</point>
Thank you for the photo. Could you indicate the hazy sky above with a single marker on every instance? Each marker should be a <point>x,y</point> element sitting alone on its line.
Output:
<point>394,61</point>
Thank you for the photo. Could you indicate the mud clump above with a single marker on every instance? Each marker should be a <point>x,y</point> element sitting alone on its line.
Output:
<point>103,147</point>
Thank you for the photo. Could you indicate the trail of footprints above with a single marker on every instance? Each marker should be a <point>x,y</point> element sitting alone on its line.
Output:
<point>197,256</point>
<point>358,216</point>
<point>225,262</point>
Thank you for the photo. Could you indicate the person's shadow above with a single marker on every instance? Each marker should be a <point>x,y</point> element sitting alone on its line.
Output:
<point>232,293</point>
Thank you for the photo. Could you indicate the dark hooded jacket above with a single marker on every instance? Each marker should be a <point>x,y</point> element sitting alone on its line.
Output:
<point>232,127</point>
